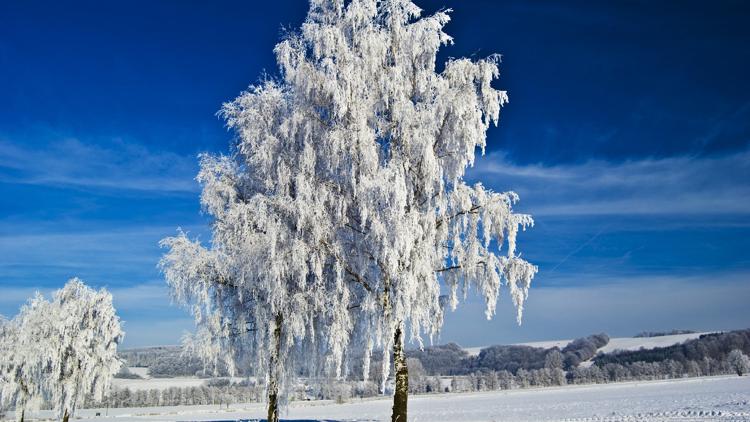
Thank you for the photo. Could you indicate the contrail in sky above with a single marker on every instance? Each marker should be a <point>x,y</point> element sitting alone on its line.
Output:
<point>583,245</point>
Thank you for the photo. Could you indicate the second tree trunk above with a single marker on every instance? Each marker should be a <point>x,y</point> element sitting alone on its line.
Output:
<point>401,393</point>
<point>273,373</point>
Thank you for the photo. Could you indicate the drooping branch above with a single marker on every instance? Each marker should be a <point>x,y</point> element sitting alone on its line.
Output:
<point>344,264</point>
<point>458,267</point>
<point>473,210</point>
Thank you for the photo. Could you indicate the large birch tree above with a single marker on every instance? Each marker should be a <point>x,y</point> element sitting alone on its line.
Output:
<point>341,217</point>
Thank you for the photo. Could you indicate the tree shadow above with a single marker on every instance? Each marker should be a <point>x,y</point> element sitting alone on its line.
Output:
<point>290,420</point>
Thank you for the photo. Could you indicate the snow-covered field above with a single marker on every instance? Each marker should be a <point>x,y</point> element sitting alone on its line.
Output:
<point>157,383</point>
<point>148,383</point>
<point>635,343</point>
<point>695,399</point>
<point>618,343</point>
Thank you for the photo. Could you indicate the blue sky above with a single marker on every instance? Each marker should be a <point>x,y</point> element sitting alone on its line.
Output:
<point>627,136</point>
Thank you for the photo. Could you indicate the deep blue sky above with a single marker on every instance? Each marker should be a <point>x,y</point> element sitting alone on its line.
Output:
<point>626,135</point>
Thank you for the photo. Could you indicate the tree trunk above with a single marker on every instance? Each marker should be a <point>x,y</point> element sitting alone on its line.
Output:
<point>401,393</point>
<point>273,384</point>
<point>23,413</point>
<point>66,416</point>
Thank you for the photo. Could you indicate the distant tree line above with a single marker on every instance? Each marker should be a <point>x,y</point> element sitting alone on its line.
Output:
<point>716,346</point>
<point>147,356</point>
<point>222,392</point>
<point>451,359</point>
<point>449,368</point>
<point>663,333</point>
<point>168,362</point>
<point>220,395</point>
<point>446,359</point>
<point>583,349</point>
<point>216,392</point>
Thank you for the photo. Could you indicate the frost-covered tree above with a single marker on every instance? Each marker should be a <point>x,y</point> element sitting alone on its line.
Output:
<point>82,342</point>
<point>738,361</point>
<point>22,357</point>
<point>341,217</point>
<point>553,359</point>
<point>60,351</point>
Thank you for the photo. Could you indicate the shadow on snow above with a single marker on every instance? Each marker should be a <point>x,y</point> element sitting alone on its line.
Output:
<point>286,420</point>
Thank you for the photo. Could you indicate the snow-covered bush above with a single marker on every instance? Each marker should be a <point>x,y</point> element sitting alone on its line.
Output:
<point>125,373</point>
<point>553,359</point>
<point>417,376</point>
<point>338,391</point>
<point>363,389</point>
<point>218,382</point>
<point>739,362</point>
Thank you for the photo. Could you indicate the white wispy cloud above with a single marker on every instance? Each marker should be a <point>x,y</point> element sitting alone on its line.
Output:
<point>135,298</point>
<point>112,165</point>
<point>618,305</point>
<point>110,254</point>
<point>13,297</point>
<point>139,297</point>
<point>148,316</point>
<point>675,185</point>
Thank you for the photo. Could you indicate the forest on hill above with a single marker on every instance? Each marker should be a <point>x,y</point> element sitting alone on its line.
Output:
<point>452,360</point>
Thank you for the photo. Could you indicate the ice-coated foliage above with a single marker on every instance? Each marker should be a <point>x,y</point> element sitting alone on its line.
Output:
<point>60,351</point>
<point>83,344</point>
<point>341,213</point>
<point>23,368</point>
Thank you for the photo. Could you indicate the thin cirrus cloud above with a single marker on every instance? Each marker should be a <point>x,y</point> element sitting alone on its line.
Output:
<point>145,311</point>
<point>111,165</point>
<point>135,299</point>
<point>122,251</point>
<point>111,254</point>
<point>618,305</point>
<point>672,185</point>
<point>678,185</point>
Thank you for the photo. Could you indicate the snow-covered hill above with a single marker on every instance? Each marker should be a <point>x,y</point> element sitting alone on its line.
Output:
<point>618,343</point>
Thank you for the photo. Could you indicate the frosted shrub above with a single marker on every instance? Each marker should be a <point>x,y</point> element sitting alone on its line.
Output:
<point>739,362</point>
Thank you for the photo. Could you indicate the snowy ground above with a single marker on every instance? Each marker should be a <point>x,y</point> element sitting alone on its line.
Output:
<point>694,399</point>
<point>619,343</point>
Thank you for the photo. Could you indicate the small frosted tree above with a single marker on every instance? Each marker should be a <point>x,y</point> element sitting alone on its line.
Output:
<point>23,358</point>
<point>739,362</point>
<point>83,336</point>
<point>342,217</point>
<point>553,359</point>
<point>61,351</point>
